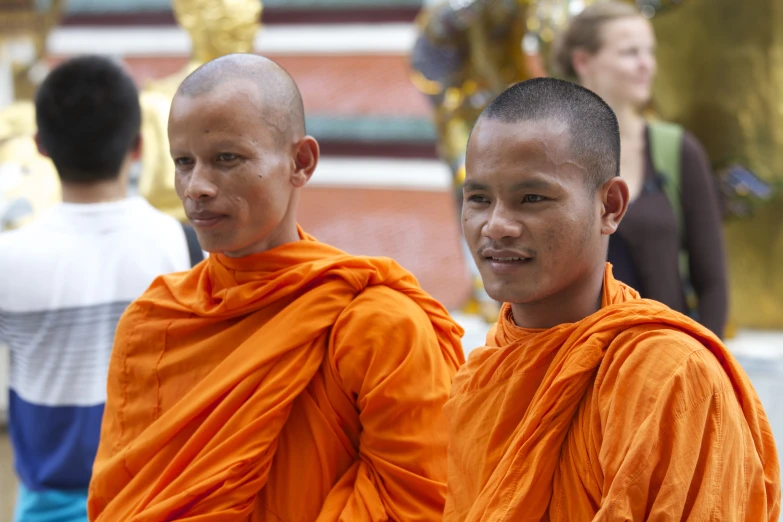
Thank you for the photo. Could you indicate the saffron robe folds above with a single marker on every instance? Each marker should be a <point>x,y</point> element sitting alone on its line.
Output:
<point>296,384</point>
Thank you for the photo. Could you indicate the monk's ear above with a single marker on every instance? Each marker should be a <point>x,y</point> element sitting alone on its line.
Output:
<point>306,154</point>
<point>614,198</point>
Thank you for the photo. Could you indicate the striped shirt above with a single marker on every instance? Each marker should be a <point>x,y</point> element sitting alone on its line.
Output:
<point>66,280</point>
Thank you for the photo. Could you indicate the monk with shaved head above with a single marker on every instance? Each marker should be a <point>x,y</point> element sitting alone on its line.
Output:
<point>281,379</point>
<point>587,403</point>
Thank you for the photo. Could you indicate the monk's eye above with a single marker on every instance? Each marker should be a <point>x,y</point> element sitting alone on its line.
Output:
<point>476,198</point>
<point>182,162</point>
<point>533,198</point>
<point>227,157</point>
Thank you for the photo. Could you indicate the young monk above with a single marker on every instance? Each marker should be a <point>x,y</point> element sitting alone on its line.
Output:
<point>588,403</point>
<point>281,379</point>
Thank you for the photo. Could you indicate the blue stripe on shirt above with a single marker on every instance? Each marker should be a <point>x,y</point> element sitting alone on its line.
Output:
<point>54,446</point>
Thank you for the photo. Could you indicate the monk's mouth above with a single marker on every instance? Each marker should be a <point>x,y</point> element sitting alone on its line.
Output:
<point>508,259</point>
<point>205,222</point>
<point>508,265</point>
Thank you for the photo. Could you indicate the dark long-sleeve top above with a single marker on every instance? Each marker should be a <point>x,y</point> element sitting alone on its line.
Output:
<point>645,249</point>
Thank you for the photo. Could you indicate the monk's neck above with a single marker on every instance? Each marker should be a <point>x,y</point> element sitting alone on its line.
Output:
<point>569,306</point>
<point>285,233</point>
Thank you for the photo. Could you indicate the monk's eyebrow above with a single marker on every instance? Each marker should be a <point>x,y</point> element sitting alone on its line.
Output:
<point>528,184</point>
<point>473,186</point>
<point>532,184</point>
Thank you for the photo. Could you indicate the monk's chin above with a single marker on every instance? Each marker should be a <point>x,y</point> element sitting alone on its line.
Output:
<point>220,247</point>
<point>502,293</point>
<point>213,247</point>
<point>216,242</point>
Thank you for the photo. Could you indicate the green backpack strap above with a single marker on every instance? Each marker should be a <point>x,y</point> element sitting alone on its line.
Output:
<point>666,152</point>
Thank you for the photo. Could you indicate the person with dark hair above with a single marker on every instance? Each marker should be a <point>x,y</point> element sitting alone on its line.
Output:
<point>88,117</point>
<point>282,379</point>
<point>587,402</point>
<point>670,245</point>
<point>69,275</point>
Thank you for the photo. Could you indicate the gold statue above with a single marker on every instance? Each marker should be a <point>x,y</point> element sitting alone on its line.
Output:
<point>467,52</point>
<point>216,28</point>
<point>28,181</point>
<point>28,23</point>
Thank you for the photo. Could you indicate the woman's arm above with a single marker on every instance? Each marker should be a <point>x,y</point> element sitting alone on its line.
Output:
<point>704,235</point>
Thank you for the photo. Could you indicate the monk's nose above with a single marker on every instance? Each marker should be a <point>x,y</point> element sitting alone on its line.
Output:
<point>200,184</point>
<point>501,224</point>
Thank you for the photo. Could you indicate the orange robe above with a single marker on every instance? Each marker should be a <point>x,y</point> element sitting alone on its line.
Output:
<point>634,413</point>
<point>297,384</point>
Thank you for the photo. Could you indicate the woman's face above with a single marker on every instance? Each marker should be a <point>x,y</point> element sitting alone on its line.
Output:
<point>623,69</point>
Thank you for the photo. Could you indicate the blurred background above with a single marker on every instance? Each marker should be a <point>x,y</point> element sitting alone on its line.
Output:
<point>390,90</point>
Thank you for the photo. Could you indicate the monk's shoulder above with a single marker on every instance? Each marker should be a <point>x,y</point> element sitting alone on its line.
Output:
<point>647,362</point>
<point>381,320</point>
<point>383,332</point>
<point>384,309</point>
<point>655,346</point>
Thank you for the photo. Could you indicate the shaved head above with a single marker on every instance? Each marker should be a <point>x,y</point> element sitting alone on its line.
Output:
<point>541,197</point>
<point>281,101</point>
<point>237,138</point>
<point>593,128</point>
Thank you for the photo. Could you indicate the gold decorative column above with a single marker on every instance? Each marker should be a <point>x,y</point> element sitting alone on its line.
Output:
<point>721,75</point>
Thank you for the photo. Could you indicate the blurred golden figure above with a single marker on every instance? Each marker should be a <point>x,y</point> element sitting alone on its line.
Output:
<point>467,52</point>
<point>721,76</point>
<point>28,181</point>
<point>216,28</point>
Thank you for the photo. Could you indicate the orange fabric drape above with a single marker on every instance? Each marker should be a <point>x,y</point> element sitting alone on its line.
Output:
<point>206,368</point>
<point>634,413</point>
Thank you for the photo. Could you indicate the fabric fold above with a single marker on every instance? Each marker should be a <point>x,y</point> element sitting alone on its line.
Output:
<point>572,368</point>
<point>172,450</point>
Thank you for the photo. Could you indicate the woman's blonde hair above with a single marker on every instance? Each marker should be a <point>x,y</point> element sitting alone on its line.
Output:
<point>584,32</point>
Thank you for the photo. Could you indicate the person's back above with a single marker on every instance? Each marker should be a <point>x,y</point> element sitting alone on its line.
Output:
<point>69,276</point>
<point>587,402</point>
<point>282,379</point>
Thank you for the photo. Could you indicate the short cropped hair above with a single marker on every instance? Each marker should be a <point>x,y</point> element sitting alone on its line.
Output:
<point>88,116</point>
<point>592,124</point>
